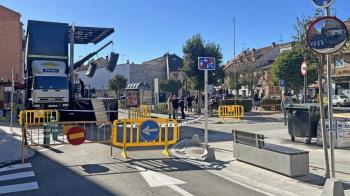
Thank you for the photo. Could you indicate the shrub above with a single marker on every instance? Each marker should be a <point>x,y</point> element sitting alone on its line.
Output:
<point>246,103</point>
<point>162,108</point>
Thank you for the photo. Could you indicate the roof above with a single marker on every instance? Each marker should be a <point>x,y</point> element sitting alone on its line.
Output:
<point>143,85</point>
<point>175,62</point>
<point>86,35</point>
<point>8,9</point>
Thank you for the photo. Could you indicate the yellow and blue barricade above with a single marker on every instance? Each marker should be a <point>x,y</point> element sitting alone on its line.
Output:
<point>144,132</point>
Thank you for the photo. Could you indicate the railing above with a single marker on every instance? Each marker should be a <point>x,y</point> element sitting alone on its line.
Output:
<point>127,133</point>
<point>231,111</point>
<point>271,107</point>
<point>37,117</point>
<point>144,111</point>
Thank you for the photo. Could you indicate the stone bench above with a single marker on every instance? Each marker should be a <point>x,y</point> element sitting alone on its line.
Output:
<point>251,148</point>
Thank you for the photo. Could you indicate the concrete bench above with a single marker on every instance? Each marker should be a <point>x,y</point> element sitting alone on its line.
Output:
<point>251,148</point>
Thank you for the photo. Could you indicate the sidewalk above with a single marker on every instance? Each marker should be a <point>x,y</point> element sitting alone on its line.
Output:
<point>10,145</point>
<point>259,178</point>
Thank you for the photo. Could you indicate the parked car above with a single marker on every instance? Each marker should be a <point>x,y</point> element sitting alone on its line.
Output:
<point>340,100</point>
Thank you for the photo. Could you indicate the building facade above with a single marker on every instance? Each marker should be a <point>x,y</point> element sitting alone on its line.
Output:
<point>11,56</point>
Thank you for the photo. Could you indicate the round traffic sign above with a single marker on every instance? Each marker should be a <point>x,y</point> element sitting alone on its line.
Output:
<point>149,130</point>
<point>303,68</point>
<point>327,35</point>
<point>322,3</point>
<point>76,135</point>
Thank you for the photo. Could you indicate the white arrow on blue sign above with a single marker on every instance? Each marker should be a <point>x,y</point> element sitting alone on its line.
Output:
<point>149,130</point>
<point>322,3</point>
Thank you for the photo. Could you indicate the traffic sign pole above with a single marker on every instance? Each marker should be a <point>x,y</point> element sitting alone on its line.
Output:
<point>206,108</point>
<point>330,107</point>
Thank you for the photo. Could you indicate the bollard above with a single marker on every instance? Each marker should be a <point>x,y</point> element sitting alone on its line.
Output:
<point>47,134</point>
<point>53,128</point>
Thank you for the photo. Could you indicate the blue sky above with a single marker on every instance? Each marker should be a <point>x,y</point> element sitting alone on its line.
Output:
<point>146,29</point>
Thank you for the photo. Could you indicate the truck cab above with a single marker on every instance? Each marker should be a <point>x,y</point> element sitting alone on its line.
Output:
<point>49,85</point>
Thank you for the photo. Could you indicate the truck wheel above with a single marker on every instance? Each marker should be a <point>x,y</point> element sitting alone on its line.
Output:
<point>338,105</point>
<point>308,141</point>
<point>292,138</point>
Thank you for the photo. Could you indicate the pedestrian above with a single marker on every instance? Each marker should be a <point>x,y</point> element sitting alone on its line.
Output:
<point>284,102</point>
<point>182,107</point>
<point>170,106</point>
<point>189,100</point>
<point>175,106</point>
<point>256,101</point>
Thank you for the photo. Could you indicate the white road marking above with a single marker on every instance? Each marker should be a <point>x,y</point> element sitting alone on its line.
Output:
<point>179,190</point>
<point>17,175</point>
<point>19,187</point>
<point>156,179</point>
<point>13,167</point>
<point>50,148</point>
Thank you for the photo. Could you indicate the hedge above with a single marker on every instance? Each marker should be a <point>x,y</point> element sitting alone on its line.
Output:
<point>162,108</point>
<point>246,103</point>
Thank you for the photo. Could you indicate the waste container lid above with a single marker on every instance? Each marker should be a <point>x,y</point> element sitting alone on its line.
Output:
<point>304,106</point>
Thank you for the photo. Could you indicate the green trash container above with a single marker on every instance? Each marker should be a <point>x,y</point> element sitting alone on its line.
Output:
<point>303,120</point>
<point>47,133</point>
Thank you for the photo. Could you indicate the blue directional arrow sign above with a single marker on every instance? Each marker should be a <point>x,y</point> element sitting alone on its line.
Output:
<point>322,3</point>
<point>149,130</point>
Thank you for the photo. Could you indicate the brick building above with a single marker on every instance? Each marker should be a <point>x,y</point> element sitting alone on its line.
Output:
<point>10,50</point>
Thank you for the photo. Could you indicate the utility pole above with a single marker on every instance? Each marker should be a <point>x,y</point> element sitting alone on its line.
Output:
<point>234,56</point>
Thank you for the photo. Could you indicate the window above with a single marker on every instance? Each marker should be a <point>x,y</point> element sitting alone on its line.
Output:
<point>339,63</point>
<point>50,82</point>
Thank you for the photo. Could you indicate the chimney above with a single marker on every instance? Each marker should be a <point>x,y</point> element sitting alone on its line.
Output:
<point>127,62</point>
<point>253,52</point>
<point>273,44</point>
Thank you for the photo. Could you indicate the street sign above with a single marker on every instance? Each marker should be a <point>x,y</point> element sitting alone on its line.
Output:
<point>206,63</point>
<point>76,135</point>
<point>149,130</point>
<point>327,35</point>
<point>322,3</point>
<point>303,68</point>
<point>282,83</point>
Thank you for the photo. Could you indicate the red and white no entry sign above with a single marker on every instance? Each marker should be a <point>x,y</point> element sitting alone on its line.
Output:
<point>303,68</point>
<point>76,135</point>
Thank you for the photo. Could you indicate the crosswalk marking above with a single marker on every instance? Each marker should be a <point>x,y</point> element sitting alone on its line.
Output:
<point>14,167</point>
<point>17,175</point>
<point>12,175</point>
<point>19,187</point>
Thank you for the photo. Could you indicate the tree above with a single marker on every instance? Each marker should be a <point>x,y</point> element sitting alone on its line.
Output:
<point>250,77</point>
<point>196,47</point>
<point>117,83</point>
<point>287,67</point>
<point>170,85</point>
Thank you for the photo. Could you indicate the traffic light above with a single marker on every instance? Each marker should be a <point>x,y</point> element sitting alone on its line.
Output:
<point>112,61</point>
<point>91,69</point>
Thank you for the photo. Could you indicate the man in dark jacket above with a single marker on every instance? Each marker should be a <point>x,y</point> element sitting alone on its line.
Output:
<point>175,106</point>
<point>182,107</point>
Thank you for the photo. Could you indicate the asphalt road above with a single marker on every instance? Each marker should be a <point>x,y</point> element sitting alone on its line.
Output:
<point>89,170</point>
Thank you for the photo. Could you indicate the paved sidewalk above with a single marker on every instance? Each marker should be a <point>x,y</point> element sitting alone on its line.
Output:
<point>256,177</point>
<point>10,145</point>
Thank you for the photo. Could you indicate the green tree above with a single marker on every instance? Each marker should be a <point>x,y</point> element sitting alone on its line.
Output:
<point>117,83</point>
<point>250,77</point>
<point>170,85</point>
<point>196,47</point>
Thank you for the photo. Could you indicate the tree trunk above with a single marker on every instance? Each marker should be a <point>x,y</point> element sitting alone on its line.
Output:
<point>323,127</point>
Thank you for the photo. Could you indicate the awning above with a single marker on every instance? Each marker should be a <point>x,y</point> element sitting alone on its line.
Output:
<point>86,35</point>
<point>141,85</point>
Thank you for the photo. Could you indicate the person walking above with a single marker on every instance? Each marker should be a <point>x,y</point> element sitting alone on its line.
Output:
<point>175,106</point>
<point>284,102</point>
<point>170,106</point>
<point>256,101</point>
<point>182,107</point>
<point>189,102</point>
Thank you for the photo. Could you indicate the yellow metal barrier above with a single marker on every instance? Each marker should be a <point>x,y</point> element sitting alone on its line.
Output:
<point>127,133</point>
<point>231,111</point>
<point>144,111</point>
<point>37,117</point>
